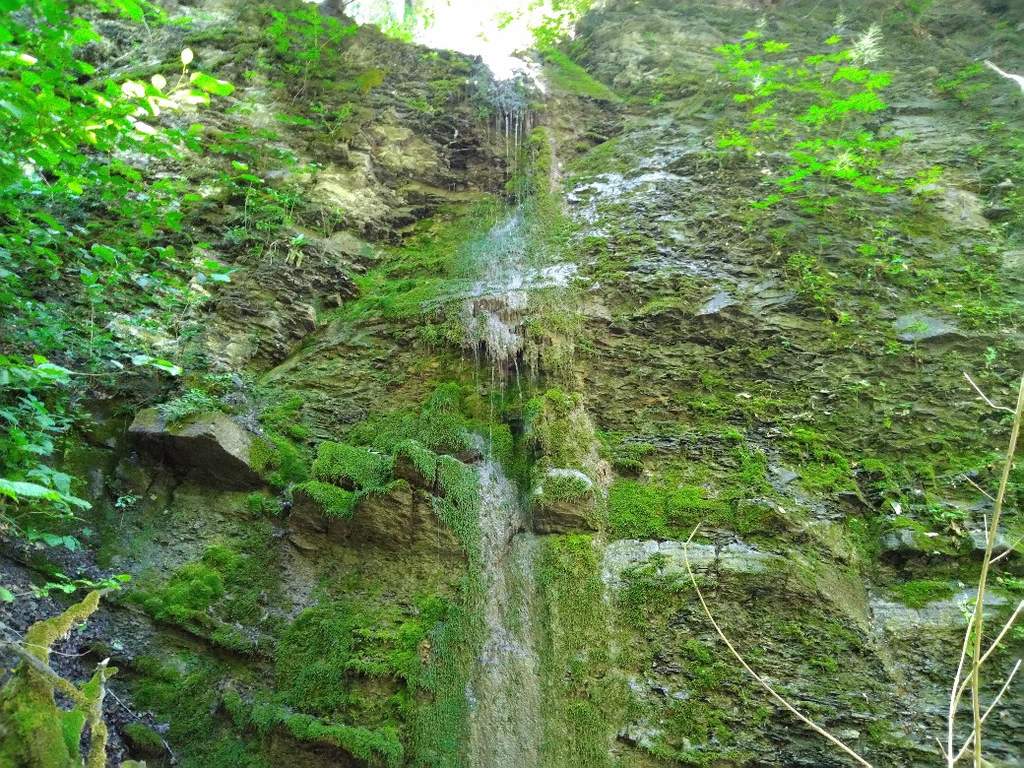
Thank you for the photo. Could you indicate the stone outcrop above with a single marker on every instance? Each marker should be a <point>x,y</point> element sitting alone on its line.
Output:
<point>209,446</point>
<point>400,518</point>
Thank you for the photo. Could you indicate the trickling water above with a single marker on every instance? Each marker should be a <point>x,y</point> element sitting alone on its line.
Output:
<point>504,695</point>
<point>494,312</point>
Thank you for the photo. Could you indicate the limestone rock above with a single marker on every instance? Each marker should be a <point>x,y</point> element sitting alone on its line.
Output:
<point>209,445</point>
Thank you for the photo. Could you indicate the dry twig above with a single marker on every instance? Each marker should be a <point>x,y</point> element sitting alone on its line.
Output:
<point>760,680</point>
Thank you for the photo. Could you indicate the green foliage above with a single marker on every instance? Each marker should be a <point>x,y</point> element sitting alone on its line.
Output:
<point>812,282</point>
<point>558,23</point>
<point>302,38</point>
<point>625,455</point>
<point>283,416</point>
<point>556,426</point>
<point>32,494</point>
<point>815,109</point>
<point>87,239</point>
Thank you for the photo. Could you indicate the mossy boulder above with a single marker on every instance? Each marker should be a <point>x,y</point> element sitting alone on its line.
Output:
<point>396,517</point>
<point>564,501</point>
<point>209,446</point>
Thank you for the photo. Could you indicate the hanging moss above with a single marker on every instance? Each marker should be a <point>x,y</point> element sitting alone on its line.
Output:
<point>278,460</point>
<point>333,501</point>
<point>351,466</point>
<point>583,698</point>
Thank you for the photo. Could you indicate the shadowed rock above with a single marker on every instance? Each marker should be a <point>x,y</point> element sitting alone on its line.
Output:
<point>209,445</point>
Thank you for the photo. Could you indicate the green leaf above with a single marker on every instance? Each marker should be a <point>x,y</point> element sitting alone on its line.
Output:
<point>163,365</point>
<point>6,596</point>
<point>211,84</point>
<point>17,489</point>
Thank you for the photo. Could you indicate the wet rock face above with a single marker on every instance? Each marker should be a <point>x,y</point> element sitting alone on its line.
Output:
<point>208,446</point>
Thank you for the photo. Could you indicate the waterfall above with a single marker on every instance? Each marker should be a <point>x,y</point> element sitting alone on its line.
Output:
<point>504,695</point>
<point>494,313</point>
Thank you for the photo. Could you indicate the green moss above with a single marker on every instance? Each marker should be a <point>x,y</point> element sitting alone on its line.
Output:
<point>636,510</point>
<point>565,488</point>
<point>582,696</point>
<point>143,739</point>
<point>350,466</point>
<point>558,428</point>
<point>224,587</point>
<point>640,510</point>
<point>566,75</point>
<point>283,415</point>
<point>278,460</point>
<point>377,747</point>
<point>261,505</point>
<point>36,732</point>
<point>440,425</point>
<point>192,402</point>
<point>185,691</point>
<point>626,456</point>
<point>333,501</point>
<point>417,278</point>
<point>919,592</point>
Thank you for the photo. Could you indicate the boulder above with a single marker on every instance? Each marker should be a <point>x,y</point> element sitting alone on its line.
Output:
<point>402,517</point>
<point>564,502</point>
<point>209,445</point>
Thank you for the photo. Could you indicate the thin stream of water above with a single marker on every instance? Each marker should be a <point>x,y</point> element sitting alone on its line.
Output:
<point>505,693</point>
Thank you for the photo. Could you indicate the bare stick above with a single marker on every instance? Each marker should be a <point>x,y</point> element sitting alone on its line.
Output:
<point>98,731</point>
<point>992,647</point>
<point>979,607</point>
<point>956,692</point>
<point>1009,550</point>
<point>984,397</point>
<point>760,680</point>
<point>42,669</point>
<point>992,706</point>
<point>981,490</point>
